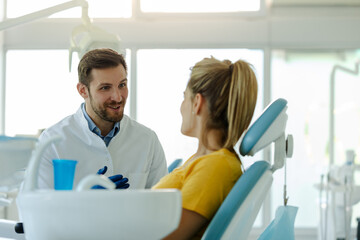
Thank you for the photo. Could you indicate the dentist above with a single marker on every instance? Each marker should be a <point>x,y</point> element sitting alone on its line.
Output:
<point>99,134</point>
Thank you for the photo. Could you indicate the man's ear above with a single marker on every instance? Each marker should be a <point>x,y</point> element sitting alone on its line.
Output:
<point>198,103</point>
<point>83,90</point>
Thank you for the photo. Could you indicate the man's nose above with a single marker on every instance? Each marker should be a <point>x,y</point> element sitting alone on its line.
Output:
<point>116,95</point>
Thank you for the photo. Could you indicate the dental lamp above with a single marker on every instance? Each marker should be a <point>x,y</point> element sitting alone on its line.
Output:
<point>354,72</point>
<point>340,192</point>
<point>84,37</point>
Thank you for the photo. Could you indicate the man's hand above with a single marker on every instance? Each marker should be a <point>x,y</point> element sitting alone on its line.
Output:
<point>119,180</point>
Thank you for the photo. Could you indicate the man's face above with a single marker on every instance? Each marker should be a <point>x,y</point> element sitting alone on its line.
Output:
<point>106,96</point>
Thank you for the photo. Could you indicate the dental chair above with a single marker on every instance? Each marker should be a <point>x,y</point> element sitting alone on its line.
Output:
<point>235,217</point>
<point>176,163</point>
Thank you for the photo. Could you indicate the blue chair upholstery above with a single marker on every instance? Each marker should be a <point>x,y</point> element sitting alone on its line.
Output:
<point>174,164</point>
<point>234,200</point>
<point>236,215</point>
<point>261,126</point>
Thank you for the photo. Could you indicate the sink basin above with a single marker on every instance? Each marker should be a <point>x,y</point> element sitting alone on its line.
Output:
<point>94,214</point>
<point>99,214</point>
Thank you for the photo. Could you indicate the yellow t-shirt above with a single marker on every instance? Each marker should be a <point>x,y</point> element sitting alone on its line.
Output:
<point>205,182</point>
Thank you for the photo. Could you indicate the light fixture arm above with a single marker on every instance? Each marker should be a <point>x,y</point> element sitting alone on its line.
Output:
<point>354,72</point>
<point>83,38</point>
<point>47,12</point>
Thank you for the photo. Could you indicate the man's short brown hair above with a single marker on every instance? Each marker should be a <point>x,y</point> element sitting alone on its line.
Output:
<point>100,59</point>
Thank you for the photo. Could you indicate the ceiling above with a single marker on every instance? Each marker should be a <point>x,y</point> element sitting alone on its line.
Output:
<point>315,2</point>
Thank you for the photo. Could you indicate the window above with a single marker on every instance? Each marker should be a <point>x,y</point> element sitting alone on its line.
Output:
<point>123,8</point>
<point>97,9</point>
<point>38,83</point>
<point>346,111</point>
<point>192,6</point>
<point>161,80</point>
<point>303,79</point>
<point>40,91</point>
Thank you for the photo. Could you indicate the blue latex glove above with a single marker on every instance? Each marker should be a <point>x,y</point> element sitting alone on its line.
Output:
<point>119,180</point>
<point>102,171</point>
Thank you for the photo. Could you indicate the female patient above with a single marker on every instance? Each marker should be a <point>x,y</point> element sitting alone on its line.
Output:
<point>218,105</point>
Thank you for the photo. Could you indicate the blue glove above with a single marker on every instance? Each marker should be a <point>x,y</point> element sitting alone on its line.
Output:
<point>120,182</point>
<point>102,171</point>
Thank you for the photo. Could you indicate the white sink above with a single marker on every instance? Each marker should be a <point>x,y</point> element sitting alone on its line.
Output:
<point>100,214</point>
<point>95,214</point>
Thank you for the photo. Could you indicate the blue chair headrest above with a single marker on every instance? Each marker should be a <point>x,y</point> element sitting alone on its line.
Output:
<point>261,128</point>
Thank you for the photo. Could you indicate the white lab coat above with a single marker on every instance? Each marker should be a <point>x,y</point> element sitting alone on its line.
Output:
<point>135,152</point>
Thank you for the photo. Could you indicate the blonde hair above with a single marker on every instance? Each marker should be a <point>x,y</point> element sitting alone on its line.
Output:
<point>230,90</point>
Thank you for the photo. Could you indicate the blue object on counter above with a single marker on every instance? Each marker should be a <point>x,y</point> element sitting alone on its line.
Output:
<point>64,172</point>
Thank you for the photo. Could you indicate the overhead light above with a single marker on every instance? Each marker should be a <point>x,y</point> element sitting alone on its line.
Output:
<point>87,37</point>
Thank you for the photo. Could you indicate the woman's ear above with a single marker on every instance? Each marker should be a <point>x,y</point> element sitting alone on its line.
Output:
<point>83,90</point>
<point>198,103</point>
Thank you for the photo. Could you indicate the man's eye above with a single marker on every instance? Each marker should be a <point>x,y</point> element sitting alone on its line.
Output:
<point>122,85</point>
<point>104,88</point>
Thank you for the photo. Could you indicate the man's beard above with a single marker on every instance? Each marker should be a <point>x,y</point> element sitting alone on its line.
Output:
<point>102,111</point>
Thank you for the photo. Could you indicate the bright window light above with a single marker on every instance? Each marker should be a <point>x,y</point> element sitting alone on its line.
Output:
<point>161,81</point>
<point>43,87</point>
<point>346,113</point>
<point>162,76</point>
<point>40,91</point>
<point>97,8</point>
<point>200,6</point>
<point>308,123</point>
<point>303,79</point>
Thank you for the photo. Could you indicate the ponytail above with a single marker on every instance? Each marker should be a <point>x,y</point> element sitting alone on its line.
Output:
<point>230,91</point>
<point>241,101</point>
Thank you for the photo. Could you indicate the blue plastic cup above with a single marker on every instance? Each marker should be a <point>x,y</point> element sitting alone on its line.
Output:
<point>64,172</point>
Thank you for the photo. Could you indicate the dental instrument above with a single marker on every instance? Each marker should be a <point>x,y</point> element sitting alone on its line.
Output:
<point>354,71</point>
<point>341,194</point>
<point>14,157</point>
<point>14,152</point>
<point>338,183</point>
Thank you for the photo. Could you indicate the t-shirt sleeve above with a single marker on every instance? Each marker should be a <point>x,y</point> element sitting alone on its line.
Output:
<point>207,184</point>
